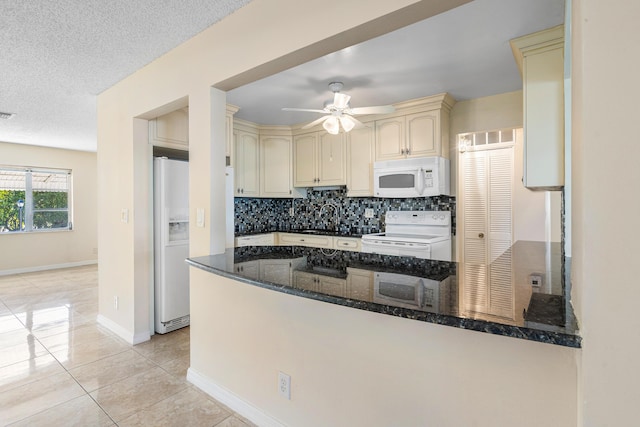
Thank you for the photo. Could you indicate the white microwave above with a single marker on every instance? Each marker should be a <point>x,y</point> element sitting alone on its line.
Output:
<point>401,290</point>
<point>414,177</point>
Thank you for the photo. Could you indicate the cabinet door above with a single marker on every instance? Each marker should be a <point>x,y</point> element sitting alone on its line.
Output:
<point>360,162</point>
<point>276,271</point>
<point>275,166</point>
<point>390,138</point>
<point>423,134</point>
<point>247,165</point>
<point>249,269</point>
<point>170,130</point>
<point>304,158</point>
<point>333,286</point>
<point>331,159</point>
<point>306,281</point>
<point>360,284</point>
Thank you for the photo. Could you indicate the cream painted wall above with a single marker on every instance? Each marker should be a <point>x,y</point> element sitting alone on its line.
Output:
<point>605,176</point>
<point>219,54</point>
<point>35,251</point>
<point>356,368</point>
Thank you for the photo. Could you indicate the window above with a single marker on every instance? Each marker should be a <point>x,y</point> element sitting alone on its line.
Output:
<point>34,199</point>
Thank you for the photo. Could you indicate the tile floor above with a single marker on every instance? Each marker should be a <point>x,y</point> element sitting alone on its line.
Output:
<point>58,367</point>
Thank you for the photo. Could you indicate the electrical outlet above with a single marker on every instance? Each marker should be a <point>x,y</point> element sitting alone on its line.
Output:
<point>291,213</point>
<point>368,213</point>
<point>115,302</point>
<point>535,280</point>
<point>284,385</point>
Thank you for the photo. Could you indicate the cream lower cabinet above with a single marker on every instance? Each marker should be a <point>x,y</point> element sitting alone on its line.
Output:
<point>247,164</point>
<point>360,284</point>
<point>360,157</point>
<point>319,159</point>
<point>319,283</point>
<point>249,269</point>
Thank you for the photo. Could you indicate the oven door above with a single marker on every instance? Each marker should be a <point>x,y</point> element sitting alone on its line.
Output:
<point>396,248</point>
<point>398,290</point>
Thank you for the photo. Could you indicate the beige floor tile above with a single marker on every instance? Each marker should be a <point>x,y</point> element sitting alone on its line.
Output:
<point>90,351</point>
<point>21,352</point>
<point>73,321</point>
<point>81,411</point>
<point>235,421</point>
<point>32,398</point>
<point>177,367</point>
<point>15,337</point>
<point>28,371</point>
<point>126,397</point>
<point>9,323</point>
<point>189,407</point>
<point>109,370</point>
<point>77,336</point>
<point>164,348</point>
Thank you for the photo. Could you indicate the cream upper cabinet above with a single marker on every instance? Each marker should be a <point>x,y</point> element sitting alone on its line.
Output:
<point>304,157</point>
<point>247,163</point>
<point>319,159</point>
<point>276,172</point>
<point>360,151</point>
<point>170,130</point>
<point>540,57</point>
<point>419,128</point>
<point>414,135</point>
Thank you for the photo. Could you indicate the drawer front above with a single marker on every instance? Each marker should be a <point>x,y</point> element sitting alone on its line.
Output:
<point>258,240</point>
<point>348,244</point>
<point>305,240</point>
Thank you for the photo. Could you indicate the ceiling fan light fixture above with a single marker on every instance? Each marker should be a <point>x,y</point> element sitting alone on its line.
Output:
<point>347,123</point>
<point>331,125</point>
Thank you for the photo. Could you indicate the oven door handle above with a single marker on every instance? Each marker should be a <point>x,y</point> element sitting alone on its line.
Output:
<point>420,291</point>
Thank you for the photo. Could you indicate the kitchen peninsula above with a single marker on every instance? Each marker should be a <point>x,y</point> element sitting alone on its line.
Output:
<point>444,293</point>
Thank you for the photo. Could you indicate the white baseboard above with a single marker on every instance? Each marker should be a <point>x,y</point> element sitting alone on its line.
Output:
<point>229,399</point>
<point>123,333</point>
<point>47,267</point>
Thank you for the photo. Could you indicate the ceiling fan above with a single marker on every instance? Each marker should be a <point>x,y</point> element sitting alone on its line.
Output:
<point>338,112</point>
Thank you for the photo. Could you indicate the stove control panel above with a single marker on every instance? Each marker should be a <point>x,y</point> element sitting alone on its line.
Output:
<point>418,217</point>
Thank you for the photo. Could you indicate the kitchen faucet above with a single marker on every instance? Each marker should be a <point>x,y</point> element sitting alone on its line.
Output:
<point>336,217</point>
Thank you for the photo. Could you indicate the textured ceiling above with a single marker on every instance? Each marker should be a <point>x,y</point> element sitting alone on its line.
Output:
<point>58,55</point>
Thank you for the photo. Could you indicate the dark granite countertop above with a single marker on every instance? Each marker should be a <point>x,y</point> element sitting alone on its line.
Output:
<point>317,232</point>
<point>446,293</point>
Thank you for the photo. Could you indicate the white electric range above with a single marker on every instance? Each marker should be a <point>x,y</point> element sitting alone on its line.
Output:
<point>420,234</point>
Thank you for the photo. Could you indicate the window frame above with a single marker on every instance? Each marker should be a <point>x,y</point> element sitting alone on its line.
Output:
<point>29,207</point>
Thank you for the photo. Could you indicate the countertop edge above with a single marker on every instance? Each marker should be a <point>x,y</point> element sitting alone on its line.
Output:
<point>529,334</point>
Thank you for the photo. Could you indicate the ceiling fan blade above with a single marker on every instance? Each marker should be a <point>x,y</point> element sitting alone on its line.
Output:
<point>316,122</point>
<point>358,123</point>
<point>380,109</point>
<point>304,109</point>
<point>341,100</point>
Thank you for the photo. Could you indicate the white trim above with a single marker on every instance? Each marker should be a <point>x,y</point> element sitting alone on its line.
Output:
<point>229,399</point>
<point>47,267</point>
<point>123,333</point>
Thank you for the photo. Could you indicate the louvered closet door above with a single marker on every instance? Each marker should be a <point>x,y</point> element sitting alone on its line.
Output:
<point>487,210</point>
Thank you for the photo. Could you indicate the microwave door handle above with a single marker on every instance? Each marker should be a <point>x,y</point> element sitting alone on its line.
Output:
<point>419,186</point>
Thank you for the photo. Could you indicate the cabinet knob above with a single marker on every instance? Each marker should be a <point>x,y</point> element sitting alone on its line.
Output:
<point>242,191</point>
<point>481,235</point>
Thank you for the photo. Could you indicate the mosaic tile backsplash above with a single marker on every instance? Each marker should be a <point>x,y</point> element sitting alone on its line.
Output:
<point>328,210</point>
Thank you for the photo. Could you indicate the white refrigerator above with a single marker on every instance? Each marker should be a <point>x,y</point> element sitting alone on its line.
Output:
<point>171,244</point>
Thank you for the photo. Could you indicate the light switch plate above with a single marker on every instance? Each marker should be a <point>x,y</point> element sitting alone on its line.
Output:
<point>368,213</point>
<point>124,215</point>
<point>200,217</point>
